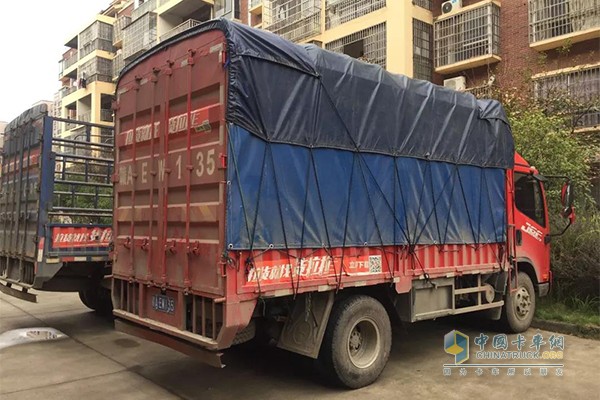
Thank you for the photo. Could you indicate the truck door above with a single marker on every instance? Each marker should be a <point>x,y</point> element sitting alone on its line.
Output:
<point>532,225</point>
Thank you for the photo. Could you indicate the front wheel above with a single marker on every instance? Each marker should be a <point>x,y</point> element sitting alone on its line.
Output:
<point>519,306</point>
<point>357,342</point>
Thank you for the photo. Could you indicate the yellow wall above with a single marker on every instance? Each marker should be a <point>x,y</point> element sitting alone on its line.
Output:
<point>398,16</point>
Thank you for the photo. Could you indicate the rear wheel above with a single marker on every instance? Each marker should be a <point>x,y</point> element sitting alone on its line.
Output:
<point>519,306</point>
<point>357,342</point>
<point>98,299</point>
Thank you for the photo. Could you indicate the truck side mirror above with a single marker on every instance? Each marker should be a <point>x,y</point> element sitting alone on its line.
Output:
<point>566,198</point>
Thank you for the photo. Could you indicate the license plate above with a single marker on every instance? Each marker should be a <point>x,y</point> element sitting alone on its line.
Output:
<point>163,303</point>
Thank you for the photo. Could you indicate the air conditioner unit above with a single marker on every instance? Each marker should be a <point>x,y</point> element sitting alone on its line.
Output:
<point>451,6</point>
<point>459,83</point>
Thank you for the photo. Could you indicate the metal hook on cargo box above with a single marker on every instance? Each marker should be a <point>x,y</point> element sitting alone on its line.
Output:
<point>145,244</point>
<point>127,243</point>
<point>194,249</point>
<point>172,247</point>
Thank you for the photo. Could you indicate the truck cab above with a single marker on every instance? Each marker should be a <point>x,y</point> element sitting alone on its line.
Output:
<point>532,226</point>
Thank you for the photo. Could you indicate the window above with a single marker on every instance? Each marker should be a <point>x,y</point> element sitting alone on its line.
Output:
<point>227,9</point>
<point>369,45</point>
<point>426,4</point>
<point>528,197</point>
<point>582,86</point>
<point>422,50</point>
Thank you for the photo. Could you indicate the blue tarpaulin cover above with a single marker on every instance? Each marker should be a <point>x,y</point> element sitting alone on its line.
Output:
<point>328,151</point>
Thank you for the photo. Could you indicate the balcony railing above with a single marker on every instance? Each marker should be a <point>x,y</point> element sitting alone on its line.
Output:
<point>553,19</point>
<point>190,23</point>
<point>468,39</point>
<point>295,20</point>
<point>146,7</point>
<point>481,92</point>
<point>341,11</point>
<point>580,87</point>
<point>120,24</point>
<point>106,115</point>
<point>139,36</point>
<point>118,65</point>
<point>69,58</point>
<point>85,116</point>
<point>67,90</point>
<point>368,45</point>
<point>97,44</point>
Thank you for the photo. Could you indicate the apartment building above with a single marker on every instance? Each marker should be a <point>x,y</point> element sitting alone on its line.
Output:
<point>141,24</point>
<point>85,74</point>
<point>377,31</point>
<point>541,46</point>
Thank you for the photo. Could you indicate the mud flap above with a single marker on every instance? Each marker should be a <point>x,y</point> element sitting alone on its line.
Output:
<point>303,332</point>
<point>22,294</point>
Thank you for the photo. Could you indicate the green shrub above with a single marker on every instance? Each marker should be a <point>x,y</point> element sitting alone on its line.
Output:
<point>576,262</point>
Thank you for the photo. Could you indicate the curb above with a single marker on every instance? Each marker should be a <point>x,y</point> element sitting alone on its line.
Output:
<point>585,331</point>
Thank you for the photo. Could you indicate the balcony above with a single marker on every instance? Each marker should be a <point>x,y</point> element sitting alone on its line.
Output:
<point>118,65</point>
<point>341,11</point>
<point>97,44</point>
<point>69,58</point>
<point>67,90</point>
<point>368,45</point>
<point>106,115</point>
<point>146,7</point>
<point>97,69</point>
<point>139,36</point>
<point>256,7</point>
<point>85,116</point>
<point>294,20</point>
<point>580,87</point>
<point>190,23</point>
<point>120,24</point>
<point>554,23</point>
<point>467,39</point>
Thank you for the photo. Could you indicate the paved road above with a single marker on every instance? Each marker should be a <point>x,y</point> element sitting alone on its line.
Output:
<point>96,362</point>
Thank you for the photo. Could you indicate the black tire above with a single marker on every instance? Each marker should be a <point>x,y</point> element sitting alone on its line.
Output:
<point>98,299</point>
<point>357,342</point>
<point>519,307</point>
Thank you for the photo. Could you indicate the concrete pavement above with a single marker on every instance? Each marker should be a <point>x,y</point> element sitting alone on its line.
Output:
<point>96,362</point>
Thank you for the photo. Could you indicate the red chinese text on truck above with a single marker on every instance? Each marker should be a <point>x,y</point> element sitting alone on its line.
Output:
<point>263,187</point>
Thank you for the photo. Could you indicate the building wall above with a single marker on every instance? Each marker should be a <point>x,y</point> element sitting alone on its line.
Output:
<point>519,61</point>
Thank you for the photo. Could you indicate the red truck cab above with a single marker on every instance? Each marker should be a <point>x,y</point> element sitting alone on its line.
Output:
<point>532,226</point>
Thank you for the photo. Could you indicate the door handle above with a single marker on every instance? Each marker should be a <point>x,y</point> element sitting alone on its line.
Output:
<point>519,236</point>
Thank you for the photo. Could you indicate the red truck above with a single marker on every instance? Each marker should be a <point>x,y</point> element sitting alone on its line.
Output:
<point>269,188</point>
<point>56,208</point>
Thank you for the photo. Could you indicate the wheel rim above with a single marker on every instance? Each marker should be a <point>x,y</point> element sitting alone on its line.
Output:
<point>364,342</point>
<point>522,302</point>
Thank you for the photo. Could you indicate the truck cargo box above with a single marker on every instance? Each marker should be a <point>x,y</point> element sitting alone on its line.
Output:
<point>55,201</point>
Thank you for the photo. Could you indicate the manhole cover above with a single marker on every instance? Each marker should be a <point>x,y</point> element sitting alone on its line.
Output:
<point>29,335</point>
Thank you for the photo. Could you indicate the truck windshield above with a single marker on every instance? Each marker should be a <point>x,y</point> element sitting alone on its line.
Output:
<point>528,197</point>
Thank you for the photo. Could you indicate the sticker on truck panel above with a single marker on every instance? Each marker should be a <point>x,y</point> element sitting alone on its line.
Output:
<point>277,271</point>
<point>76,237</point>
<point>532,231</point>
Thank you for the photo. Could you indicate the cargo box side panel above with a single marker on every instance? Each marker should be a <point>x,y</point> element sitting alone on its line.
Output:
<point>170,173</point>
